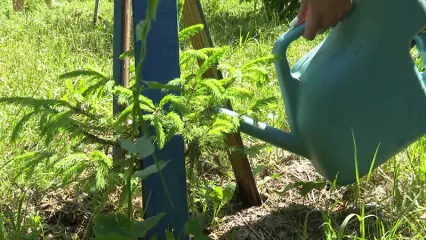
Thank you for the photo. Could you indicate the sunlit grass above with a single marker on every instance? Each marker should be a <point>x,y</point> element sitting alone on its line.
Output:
<point>38,46</point>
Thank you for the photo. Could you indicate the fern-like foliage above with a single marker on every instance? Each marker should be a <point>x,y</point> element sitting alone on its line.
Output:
<point>69,127</point>
<point>95,166</point>
<point>79,130</point>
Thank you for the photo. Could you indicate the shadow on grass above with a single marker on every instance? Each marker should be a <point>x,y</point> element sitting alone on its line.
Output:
<point>297,221</point>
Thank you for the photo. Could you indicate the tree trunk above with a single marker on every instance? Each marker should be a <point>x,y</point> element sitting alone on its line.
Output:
<point>18,5</point>
<point>49,3</point>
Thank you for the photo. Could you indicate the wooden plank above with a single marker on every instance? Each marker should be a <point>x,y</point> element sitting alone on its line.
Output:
<point>161,64</point>
<point>248,193</point>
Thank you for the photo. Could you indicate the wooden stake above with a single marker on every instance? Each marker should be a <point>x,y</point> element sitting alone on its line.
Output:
<point>248,193</point>
<point>95,15</point>
<point>18,5</point>
<point>127,17</point>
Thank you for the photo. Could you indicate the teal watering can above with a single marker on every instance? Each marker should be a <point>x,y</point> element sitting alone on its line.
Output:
<point>356,94</point>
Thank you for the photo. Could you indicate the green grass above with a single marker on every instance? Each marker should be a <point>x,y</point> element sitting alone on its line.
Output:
<point>38,46</point>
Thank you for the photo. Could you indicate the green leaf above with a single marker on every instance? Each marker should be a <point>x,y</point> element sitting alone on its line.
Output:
<point>176,121</point>
<point>223,124</point>
<point>147,171</point>
<point>71,160</point>
<point>239,92</point>
<point>344,224</point>
<point>114,226</point>
<point>169,236</point>
<point>266,59</point>
<point>29,162</point>
<point>129,53</point>
<point>190,31</point>
<point>159,132</point>
<point>166,99</point>
<point>257,70</point>
<point>123,115</point>
<point>289,187</point>
<point>193,226</point>
<point>258,169</point>
<point>309,186</point>
<point>19,126</point>
<point>142,29</point>
<point>177,102</point>
<point>214,87</point>
<point>211,60</point>
<point>161,86</point>
<point>306,187</point>
<point>102,165</point>
<point>142,227</point>
<point>152,9</point>
<point>261,103</point>
<point>143,147</point>
<point>228,191</point>
<point>139,29</point>
<point>97,87</point>
<point>218,192</point>
<point>266,179</point>
<point>128,145</point>
<point>69,85</point>
<point>87,73</point>
<point>148,102</point>
<point>191,54</point>
<point>43,120</point>
<point>33,102</point>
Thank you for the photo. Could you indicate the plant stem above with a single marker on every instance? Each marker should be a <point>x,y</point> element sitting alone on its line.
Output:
<point>129,188</point>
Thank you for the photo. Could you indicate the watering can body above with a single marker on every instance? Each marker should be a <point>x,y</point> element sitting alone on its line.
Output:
<point>357,96</point>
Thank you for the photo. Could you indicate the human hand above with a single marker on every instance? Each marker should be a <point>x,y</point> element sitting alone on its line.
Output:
<point>320,15</point>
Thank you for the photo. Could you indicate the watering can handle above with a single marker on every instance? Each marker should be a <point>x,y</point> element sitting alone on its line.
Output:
<point>280,49</point>
<point>420,39</point>
<point>288,83</point>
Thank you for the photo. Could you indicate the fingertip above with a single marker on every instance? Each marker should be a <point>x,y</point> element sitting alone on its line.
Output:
<point>310,29</point>
<point>309,36</point>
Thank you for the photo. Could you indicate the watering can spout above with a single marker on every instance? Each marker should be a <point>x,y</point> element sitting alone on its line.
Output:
<point>288,141</point>
<point>289,86</point>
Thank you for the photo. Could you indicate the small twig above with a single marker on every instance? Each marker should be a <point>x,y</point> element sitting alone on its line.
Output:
<point>384,175</point>
<point>98,139</point>
<point>87,134</point>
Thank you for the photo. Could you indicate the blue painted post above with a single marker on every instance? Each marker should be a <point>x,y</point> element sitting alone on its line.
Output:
<point>116,62</point>
<point>117,50</point>
<point>161,64</point>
